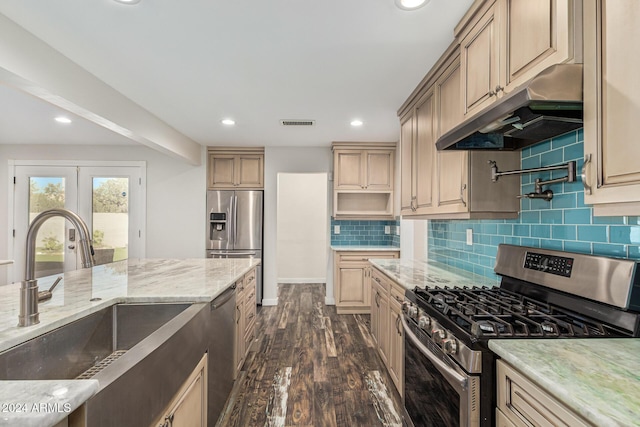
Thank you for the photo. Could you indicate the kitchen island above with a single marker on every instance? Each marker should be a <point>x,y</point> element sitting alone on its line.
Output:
<point>82,292</point>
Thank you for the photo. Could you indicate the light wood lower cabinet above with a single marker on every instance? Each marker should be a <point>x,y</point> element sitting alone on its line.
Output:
<point>245,318</point>
<point>188,408</point>
<point>352,279</point>
<point>521,403</point>
<point>386,326</point>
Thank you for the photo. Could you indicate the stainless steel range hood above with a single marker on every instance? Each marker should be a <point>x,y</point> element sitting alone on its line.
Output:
<point>546,106</point>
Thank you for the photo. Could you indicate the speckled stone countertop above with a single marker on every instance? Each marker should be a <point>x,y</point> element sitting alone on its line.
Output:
<point>427,274</point>
<point>147,280</point>
<point>596,378</point>
<point>347,248</point>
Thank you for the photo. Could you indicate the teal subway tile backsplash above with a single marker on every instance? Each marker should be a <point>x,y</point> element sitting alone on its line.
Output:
<point>565,223</point>
<point>365,233</point>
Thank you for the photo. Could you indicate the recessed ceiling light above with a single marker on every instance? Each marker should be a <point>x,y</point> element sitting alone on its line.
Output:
<point>356,123</point>
<point>411,4</point>
<point>128,1</point>
<point>62,119</point>
<point>228,122</point>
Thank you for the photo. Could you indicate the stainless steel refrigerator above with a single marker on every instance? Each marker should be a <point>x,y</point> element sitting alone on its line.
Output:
<point>234,227</point>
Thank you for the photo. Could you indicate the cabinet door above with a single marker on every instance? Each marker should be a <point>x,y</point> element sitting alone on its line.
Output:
<point>379,170</point>
<point>424,151</point>
<point>353,291</point>
<point>189,406</point>
<point>480,60</point>
<point>612,91</point>
<point>376,294</point>
<point>383,341</point>
<point>349,172</point>
<point>537,35</point>
<point>396,345</point>
<point>250,171</point>
<point>222,171</point>
<point>406,165</point>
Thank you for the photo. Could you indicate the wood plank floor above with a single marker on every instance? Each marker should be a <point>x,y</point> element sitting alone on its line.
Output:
<point>312,367</point>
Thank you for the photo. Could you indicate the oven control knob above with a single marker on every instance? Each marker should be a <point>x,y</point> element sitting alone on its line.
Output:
<point>450,346</point>
<point>438,335</point>
<point>412,311</point>
<point>424,322</point>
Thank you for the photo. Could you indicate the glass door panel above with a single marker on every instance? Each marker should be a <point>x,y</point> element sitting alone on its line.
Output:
<point>38,189</point>
<point>110,218</point>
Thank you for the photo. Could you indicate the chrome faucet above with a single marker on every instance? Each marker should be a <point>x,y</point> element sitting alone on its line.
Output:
<point>29,289</point>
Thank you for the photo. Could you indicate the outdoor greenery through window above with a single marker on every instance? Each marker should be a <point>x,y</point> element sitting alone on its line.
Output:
<point>109,222</point>
<point>110,219</point>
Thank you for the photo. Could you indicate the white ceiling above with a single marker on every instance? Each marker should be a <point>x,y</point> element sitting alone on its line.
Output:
<point>193,63</point>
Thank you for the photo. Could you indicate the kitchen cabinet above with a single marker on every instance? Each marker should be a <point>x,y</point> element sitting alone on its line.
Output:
<point>522,403</point>
<point>448,184</point>
<point>363,180</point>
<point>504,43</point>
<point>611,174</point>
<point>386,326</point>
<point>245,318</point>
<point>188,408</point>
<point>235,168</point>
<point>352,279</point>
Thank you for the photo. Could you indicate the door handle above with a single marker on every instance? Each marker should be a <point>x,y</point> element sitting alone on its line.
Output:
<point>71,246</point>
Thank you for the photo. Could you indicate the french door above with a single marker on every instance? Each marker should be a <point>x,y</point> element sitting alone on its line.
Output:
<point>109,198</point>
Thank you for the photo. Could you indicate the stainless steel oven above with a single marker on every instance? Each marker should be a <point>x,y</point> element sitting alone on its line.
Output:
<point>543,294</point>
<point>437,391</point>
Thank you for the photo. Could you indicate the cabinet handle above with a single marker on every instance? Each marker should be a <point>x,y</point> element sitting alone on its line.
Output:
<point>499,89</point>
<point>464,187</point>
<point>239,314</point>
<point>583,174</point>
<point>377,299</point>
<point>491,93</point>
<point>413,205</point>
<point>398,326</point>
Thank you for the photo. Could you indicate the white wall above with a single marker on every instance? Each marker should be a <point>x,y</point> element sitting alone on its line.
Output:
<point>288,160</point>
<point>176,194</point>
<point>302,228</point>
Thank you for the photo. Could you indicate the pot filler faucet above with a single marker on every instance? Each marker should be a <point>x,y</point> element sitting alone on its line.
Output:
<point>29,289</point>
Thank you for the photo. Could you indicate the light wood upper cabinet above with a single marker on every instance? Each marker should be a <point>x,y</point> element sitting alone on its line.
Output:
<point>363,181</point>
<point>507,42</point>
<point>611,94</point>
<point>480,59</point>
<point>367,169</point>
<point>239,169</point>
<point>537,34</point>
<point>417,142</point>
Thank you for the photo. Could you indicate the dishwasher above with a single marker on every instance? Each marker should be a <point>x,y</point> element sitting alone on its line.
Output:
<point>221,340</point>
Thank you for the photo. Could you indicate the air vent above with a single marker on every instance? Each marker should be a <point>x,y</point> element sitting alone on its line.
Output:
<point>297,122</point>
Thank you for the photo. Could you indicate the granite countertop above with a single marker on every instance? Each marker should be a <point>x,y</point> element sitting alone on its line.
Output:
<point>82,292</point>
<point>365,248</point>
<point>427,274</point>
<point>596,378</point>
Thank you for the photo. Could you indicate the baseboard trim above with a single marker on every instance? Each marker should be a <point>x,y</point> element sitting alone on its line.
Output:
<point>304,280</point>
<point>329,301</point>
<point>269,301</point>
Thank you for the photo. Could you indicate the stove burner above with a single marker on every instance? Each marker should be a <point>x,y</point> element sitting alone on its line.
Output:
<point>483,312</point>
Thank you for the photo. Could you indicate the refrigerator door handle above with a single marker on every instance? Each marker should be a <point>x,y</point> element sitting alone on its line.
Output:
<point>235,219</point>
<point>236,253</point>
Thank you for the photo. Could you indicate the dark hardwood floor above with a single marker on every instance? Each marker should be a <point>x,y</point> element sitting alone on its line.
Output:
<point>312,367</point>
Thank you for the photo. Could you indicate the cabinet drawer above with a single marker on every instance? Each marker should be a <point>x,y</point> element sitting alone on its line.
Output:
<point>380,281</point>
<point>363,257</point>
<point>249,338</point>
<point>396,293</point>
<point>250,313</point>
<point>526,404</point>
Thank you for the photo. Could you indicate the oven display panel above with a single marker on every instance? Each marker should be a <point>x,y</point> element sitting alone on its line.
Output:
<point>560,266</point>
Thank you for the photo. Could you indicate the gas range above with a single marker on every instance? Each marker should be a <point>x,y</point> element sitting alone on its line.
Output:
<point>543,294</point>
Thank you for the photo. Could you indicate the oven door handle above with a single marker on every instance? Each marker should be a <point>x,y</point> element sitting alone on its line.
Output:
<point>457,380</point>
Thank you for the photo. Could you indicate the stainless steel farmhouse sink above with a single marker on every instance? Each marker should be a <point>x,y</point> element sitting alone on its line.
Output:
<point>139,353</point>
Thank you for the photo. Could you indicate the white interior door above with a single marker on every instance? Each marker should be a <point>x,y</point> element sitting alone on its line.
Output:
<point>38,188</point>
<point>110,199</point>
